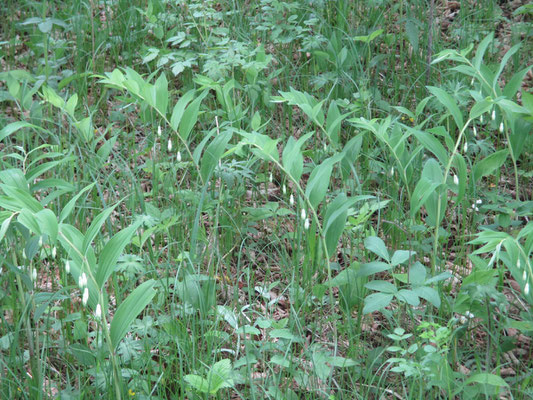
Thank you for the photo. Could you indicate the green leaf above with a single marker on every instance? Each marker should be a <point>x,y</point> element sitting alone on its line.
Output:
<point>376,301</point>
<point>197,382</point>
<point>48,224</point>
<point>341,362</point>
<point>489,164</point>
<point>368,38</point>
<point>408,296</point>
<point>334,122</point>
<point>14,177</point>
<point>417,274</point>
<point>5,226</point>
<point>292,157</point>
<point>179,108</point>
<point>65,212</point>
<point>112,251</point>
<point>487,379</point>
<point>432,144</point>
<point>481,49</point>
<point>95,226</point>
<point>190,116</point>
<point>433,172</point>
<point>448,101</point>
<point>161,94</point>
<point>424,188</point>
<point>481,107</point>
<point>429,294</point>
<point>382,286</point>
<point>515,83</point>
<point>335,220</point>
<point>377,246</point>
<point>219,376</point>
<point>318,183</point>
<point>17,199</point>
<point>372,268</point>
<point>129,309</point>
<point>15,126</point>
<point>411,31</point>
<point>401,256</point>
<point>212,154</point>
<point>460,164</point>
<point>28,219</point>
<point>503,62</point>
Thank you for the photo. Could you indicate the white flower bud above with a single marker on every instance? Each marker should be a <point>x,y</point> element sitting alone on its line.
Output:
<point>82,281</point>
<point>85,297</point>
<point>303,214</point>
<point>178,156</point>
<point>501,127</point>
<point>524,275</point>
<point>24,253</point>
<point>518,265</point>
<point>67,267</point>
<point>325,147</point>
<point>98,311</point>
<point>481,118</point>
<point>469,315</point>
<point>169,145</point>
<point>493,115</point>
<point>465,147</point>
<point>284,189</point>
<point>54,252</point>
<point>526,288</point>
<point>456,179</point>
<point>306,224</point>
<point>158,130</point>
<point>291,200</point>
<point>33,274</point>
<point>392,171</point>
<point>462,319</point>
<point>479,201</point>
<point>472,82</point>
<point>475,131</point>
<point>40,241</point>
<point>270,177</point>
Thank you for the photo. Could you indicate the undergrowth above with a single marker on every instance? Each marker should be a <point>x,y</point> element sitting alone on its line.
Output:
<point>266,199</point>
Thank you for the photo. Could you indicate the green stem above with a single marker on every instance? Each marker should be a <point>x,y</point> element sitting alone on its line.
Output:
<point>440,196</point>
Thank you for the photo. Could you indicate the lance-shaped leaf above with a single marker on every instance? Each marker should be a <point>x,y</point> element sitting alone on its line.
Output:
<point>335,220</point>
<point>95,226</point>
<point>489,164</point>
<point>129,309</point>
<point>318,183</point>
<point>190,117</point>
<point>212,154</point>
<point>447,100</point>
<point>112,251</point>
<point>292,158</point>
<point>179,108</point>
